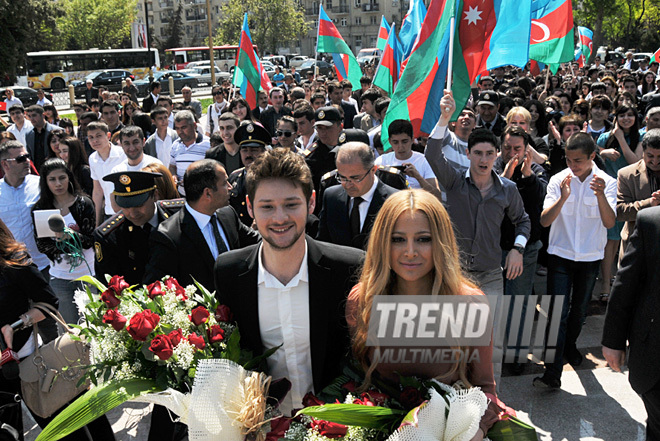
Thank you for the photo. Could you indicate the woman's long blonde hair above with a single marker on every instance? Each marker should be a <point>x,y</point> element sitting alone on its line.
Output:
<point>377,278</point>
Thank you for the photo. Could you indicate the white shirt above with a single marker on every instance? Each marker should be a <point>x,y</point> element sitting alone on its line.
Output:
<point>204,224</point>
<point>20,134</point>
<point>44,102</point>
<point>366,201</point>
<point>16,212</point>
<point>284,320</point>
<point>170,121</point>
<point>182,156</point>
<point>417,159</point>
<point>578,233</point>
<point>11,102</point>
<point>125,166</point>
<point>100,168</point>
<point>164,146</point>
<point>214,112</point>
<point>309,143</point>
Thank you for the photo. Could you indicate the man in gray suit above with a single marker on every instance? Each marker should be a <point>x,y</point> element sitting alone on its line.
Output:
<point>188,101</point>
<point>159,144</point>
<point>36,139</point>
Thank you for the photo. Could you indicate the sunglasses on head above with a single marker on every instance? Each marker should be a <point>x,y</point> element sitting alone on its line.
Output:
<point>286,133</point>
<point>22,159</point>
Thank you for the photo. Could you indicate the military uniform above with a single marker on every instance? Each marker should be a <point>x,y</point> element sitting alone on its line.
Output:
<point>237,195</point>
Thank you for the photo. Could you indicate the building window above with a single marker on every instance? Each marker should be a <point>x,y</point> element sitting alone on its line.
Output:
<point>343,22</point>
<point>374,19</point>
<point>372,41</point>
<point>329,4</point>
<point>358,3</point>
<point>358,41</point>
<point>358,21</point>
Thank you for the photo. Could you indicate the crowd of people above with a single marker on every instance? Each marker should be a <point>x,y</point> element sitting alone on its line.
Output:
<point>538,175</point>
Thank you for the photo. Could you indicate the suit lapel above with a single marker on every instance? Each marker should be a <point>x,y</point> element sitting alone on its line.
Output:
<point>343,217</point>
<point>190,228</point>
<point>248,305</point>
<point>644,183</point>
<point>228,222</point>
<point>376,202</point>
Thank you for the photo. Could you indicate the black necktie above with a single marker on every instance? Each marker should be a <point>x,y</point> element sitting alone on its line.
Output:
<point>355,216</point>
<point>219,243</point>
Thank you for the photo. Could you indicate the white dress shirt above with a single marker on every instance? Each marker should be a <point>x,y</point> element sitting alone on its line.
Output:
<point>100,168</point>
<point>20,134</point>
<point>204,224</point>
<point>284,320</point>
<point>311,141</point>
<point>578,233</point>
<point>125,166</point>
<point>366,201</point>
<point>164,146</point>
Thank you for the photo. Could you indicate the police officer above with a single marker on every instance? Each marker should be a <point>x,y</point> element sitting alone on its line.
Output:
<point>320,157</point>
<point>253,140</point>
<point>121,243</point>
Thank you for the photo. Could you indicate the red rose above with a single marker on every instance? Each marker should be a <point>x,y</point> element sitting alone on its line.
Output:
<point>199,315</point>
<point>328,429</point>
<point>197,341</point>
<point>350,386</point>
<point>311,400</point>
<point>215,334</point>
<point>411,397</point>
<point>115,319</point>
<point>278,428</point>
<point>223,314</point>
<point>175,337</point>
<point>142,324</point>
<point>154,290</point>
<point>110,298</point>
<point>118,284</point>
<point>378,398</point>
<point>173,285</point>
<point>161,345</point>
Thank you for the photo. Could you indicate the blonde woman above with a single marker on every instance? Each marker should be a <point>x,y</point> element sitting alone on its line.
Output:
<point>413,251</point>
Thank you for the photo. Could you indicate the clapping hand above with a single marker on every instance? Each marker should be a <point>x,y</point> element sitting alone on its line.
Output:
<point>597,185</point>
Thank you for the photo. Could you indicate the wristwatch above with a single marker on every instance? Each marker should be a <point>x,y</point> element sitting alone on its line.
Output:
<point>519,248</point>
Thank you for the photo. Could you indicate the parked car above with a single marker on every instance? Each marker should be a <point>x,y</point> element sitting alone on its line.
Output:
<point>324,67</point>
<point>369,55</point>
<point>110,79</point>
<point>180,80</point>
<point>298,61</point>
<point>203,74</point>
<point>27,95</point>
<point>279,60</point>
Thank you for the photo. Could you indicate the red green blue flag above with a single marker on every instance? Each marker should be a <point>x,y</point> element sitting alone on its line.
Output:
<point>330,41</point>
<point>383,33</point>
<point>586,44</point>
<point>551,39</point>
<point>482,26</point>
<point>656,57</point>
<point>536,67</point>
<point>387,74</point>
<point>411,26</point>
<point>249,75</point>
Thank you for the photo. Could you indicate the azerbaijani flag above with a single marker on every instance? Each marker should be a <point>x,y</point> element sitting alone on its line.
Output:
<point>655,57</point>
<point>586,43</point>
<point>387,74</point>
<point>249,75</point>
<point>3,106</point>
<point>536,67</point>
<point>330,40</point>
<point>383,33</point>
<point>411,26</point>
<point>481,25</point>
<point>551,39</point>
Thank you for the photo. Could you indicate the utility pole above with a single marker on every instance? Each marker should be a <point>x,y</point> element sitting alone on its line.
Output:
<point>210,24</point>
<point>151,60</point>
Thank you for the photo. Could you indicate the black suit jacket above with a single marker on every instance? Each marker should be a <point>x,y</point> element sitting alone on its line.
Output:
<point>178,248</point>
<point>335,223</point>
<point>633,312</point>
<point>332,274</point>
<point>148,103</point>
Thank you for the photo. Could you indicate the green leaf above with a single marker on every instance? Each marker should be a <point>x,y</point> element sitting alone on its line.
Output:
<point>371,417</point>
<point>94,282</point>
<point>93,404</point>
<point>250,365</point>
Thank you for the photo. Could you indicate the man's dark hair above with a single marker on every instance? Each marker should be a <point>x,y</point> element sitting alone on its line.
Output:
<point>164,98</point>
<point>381,104</point>
<point>365,80</point>
<point>482,135</point>
<point>304,111</point>
<point>346,83</point>
<point>154,85</point>
<point>371,94</point>
<point>279,163</point>
<point>400,126</point>
<point>297,93</point>
<point>200,175</point>
<point>598,85</point>
<point>98,125</point>
<point>628,79</point>
<point>603,101</point>
<point>516,131</point>
<point>36,109</point>
<point>9,145</point>
<point>581,141</point>
<point>16,107</point>
<point>94,102</point>
<point>332,85</point>
<point>83,106</point>
<point>275,89</point>
<point>130,131</point>
<point>651,139</point>
<point>570,120</point>
<point>290,120</point>
<point>91,116</point>
<point>317,96</point>
<point>158,110</point>
<point>228,116</point>
<point>110,103</point>
<point>215,139</point>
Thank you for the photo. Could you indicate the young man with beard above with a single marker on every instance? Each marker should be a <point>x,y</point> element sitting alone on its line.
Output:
<point>290,290</point>
<point>227,153</point>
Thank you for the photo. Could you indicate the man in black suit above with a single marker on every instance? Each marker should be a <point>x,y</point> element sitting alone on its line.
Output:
<point>187,244</point>
<point>91,92</point>
<point>488,107</point>
<point>335,94</point>
<point>349,210</point>
<point>290,290</point>
<point>152,98</point>
<point>633,314</point>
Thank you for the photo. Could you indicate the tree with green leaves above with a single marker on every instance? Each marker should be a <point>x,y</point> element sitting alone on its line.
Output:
<point>273,23</point>
<point>99,24</point>
<point>175,29</point>
<point>26,25</point>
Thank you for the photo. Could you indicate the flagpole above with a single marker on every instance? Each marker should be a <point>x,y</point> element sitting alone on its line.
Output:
<point>316,47</point>
<point>450,62</point>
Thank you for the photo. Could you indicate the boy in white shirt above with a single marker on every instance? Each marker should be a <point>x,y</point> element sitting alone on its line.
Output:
<point>579,207</point>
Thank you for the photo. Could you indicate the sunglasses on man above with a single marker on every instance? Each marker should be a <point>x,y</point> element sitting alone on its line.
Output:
<point>285,133</point>
<point>22,159</point>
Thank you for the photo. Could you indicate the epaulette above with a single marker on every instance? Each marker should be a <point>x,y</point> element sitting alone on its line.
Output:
<point>111,224</point>
<point>168,207</point>
<point>310,150</point>
<point>236,173</point>
<point>329,175</point>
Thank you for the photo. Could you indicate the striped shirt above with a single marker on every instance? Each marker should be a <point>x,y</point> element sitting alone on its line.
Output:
<point>182,156</point>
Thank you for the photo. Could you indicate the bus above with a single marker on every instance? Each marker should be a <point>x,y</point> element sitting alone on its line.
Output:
<point>224,56</point>
<point>54,70</point>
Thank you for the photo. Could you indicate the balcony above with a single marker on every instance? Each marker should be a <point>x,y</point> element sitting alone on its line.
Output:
<point>166,4</point>
<point>312,11</point>
<point>343,9</point>
<point>370,7</point>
